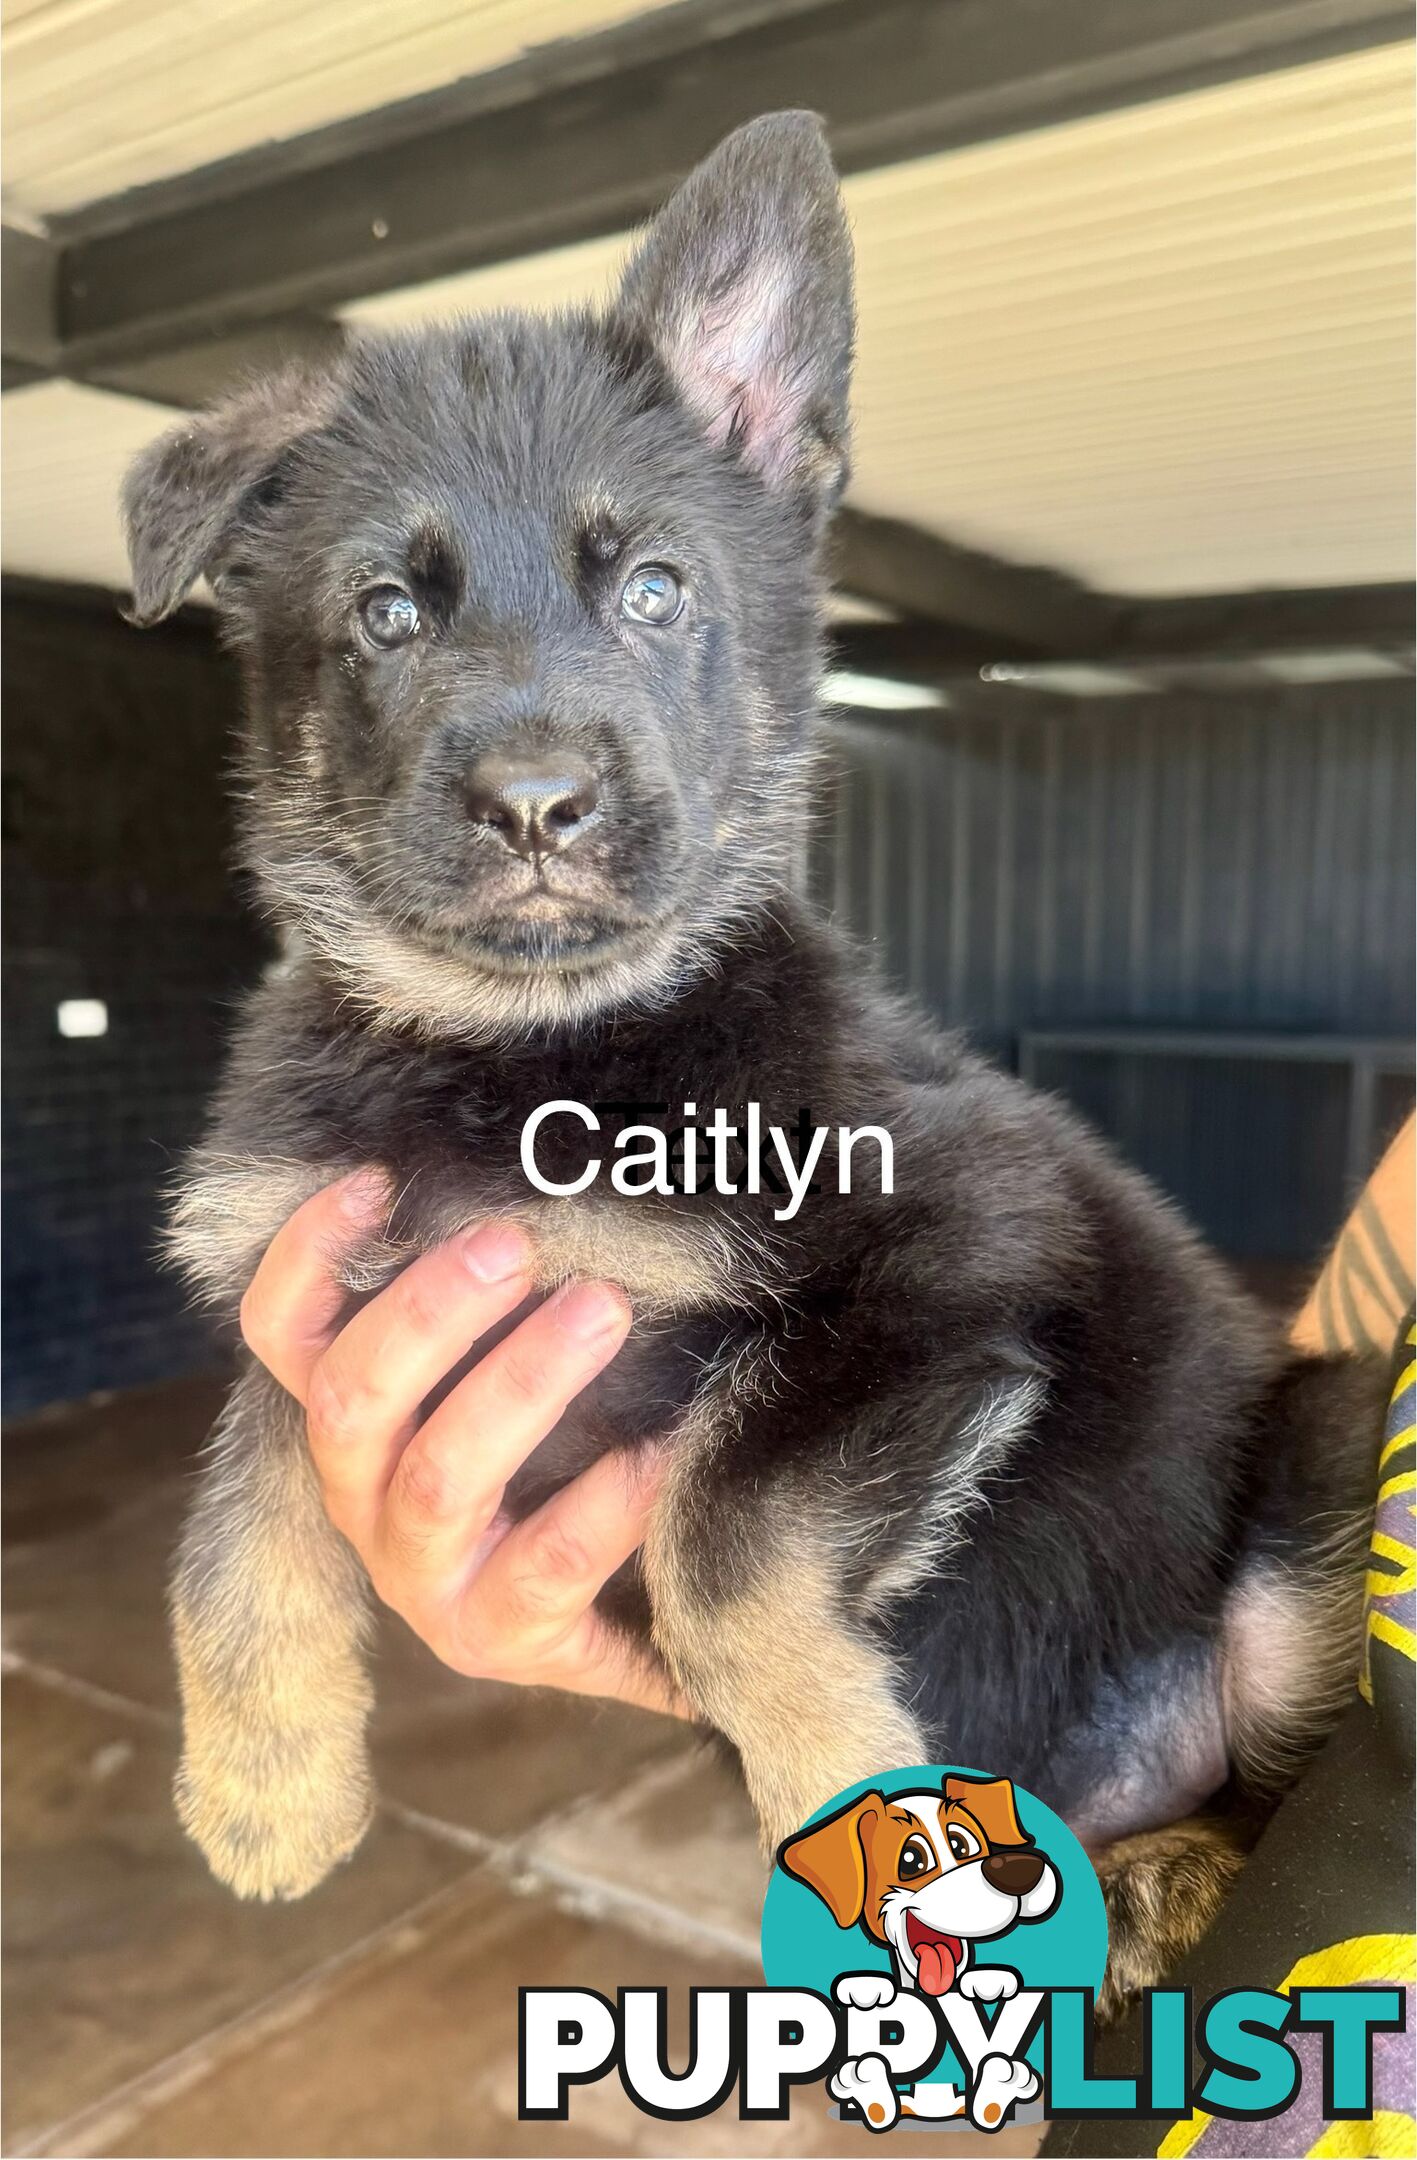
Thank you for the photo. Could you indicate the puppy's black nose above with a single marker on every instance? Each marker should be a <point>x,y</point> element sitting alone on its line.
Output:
<point>536,804</point>
<point>1015,1873</point>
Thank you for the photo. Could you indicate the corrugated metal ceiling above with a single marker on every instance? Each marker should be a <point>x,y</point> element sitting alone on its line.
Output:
<point>103,95</point>
<point>1168,349</point>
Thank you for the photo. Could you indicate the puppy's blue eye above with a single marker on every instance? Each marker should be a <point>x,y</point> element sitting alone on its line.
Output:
<point>389,617</point>
<point>653,595</point>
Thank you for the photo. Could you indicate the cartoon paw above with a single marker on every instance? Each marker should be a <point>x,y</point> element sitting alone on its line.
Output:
<point>866,2084</point>
<point>988,1983</point>
<point>865,1991</point>
<point>1001,2085</point>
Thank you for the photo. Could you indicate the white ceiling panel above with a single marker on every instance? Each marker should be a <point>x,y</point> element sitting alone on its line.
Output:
<point>63,454</point>
<point>103,95</point>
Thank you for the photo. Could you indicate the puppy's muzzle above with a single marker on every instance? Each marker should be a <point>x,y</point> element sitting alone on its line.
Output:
<point>1015,1873</point>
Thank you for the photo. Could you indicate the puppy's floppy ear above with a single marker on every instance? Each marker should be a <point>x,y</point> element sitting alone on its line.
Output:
<point>830,1858</point>
<point>185,496</point>
<point>743,287</point>
<point>991,1802</point>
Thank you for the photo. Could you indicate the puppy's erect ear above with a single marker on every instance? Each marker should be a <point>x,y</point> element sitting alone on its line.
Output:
<point>991,1802</point>
<point>743,286</point>
<point>185,495</point>
<point>830,1858</point>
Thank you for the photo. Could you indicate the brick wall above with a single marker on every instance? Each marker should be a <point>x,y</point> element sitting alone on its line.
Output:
<point>117,887</point>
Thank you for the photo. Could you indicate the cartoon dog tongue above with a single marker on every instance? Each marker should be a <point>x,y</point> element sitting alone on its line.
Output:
<point>936,1960</point>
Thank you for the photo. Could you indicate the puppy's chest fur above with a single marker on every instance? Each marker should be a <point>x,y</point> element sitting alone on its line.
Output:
<point>313,1093</point>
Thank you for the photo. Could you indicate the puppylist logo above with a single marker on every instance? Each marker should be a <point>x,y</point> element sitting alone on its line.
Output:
<point>933,1941</point>
<point>940,1880</point>
<point>937,1910</point>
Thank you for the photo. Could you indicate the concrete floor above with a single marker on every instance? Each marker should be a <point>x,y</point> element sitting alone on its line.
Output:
<point>522,1839</point>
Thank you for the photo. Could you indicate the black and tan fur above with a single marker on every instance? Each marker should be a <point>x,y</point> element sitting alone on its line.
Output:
<point>998,1469</point>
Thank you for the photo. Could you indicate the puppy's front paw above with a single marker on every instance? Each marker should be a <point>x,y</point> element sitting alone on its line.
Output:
<point>865,1991</point>
<point>988,1983</point>
<point>1001,2084</point>
<point>274,1836</point>
<point>866,2084</point>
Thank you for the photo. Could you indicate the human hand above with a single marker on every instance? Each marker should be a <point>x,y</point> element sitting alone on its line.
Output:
<point>422,1504</point>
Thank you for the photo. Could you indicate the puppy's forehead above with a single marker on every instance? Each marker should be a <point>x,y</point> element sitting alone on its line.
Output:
<point>516,405</point>
<point>515,445</point>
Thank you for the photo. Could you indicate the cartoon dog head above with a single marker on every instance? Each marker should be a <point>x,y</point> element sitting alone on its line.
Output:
<point>927,1873</point>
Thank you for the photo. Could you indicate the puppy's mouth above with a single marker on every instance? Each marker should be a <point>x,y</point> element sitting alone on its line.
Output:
<point>938,1957</point>
<point>543,928</point>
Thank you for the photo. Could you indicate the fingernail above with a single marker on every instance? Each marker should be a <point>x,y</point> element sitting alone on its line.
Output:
<point>364,1193</point>
<point>494,1252</point>
<point>587,1310</point>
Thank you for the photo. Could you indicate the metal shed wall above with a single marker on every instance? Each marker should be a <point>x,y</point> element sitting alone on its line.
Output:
<point>1209,864</point>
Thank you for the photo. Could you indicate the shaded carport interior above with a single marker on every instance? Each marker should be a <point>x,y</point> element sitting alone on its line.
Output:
<point>1122,631</point>
<point>1121,779</point>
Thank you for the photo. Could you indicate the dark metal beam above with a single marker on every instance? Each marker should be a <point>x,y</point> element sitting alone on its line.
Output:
<point>180,375</point>
<point>1021,609</point>
<point>189,375</point>
<point>19,374</point>
<point>923,652</point>
<point>29,302</point>
<point>525,159</point>
<point>1130,633</point>
<point>1228,623</point>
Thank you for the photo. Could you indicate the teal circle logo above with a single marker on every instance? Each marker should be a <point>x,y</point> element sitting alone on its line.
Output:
<point>936,1889</point>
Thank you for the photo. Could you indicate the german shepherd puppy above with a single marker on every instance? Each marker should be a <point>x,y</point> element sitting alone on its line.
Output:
<point>994,1468</point>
